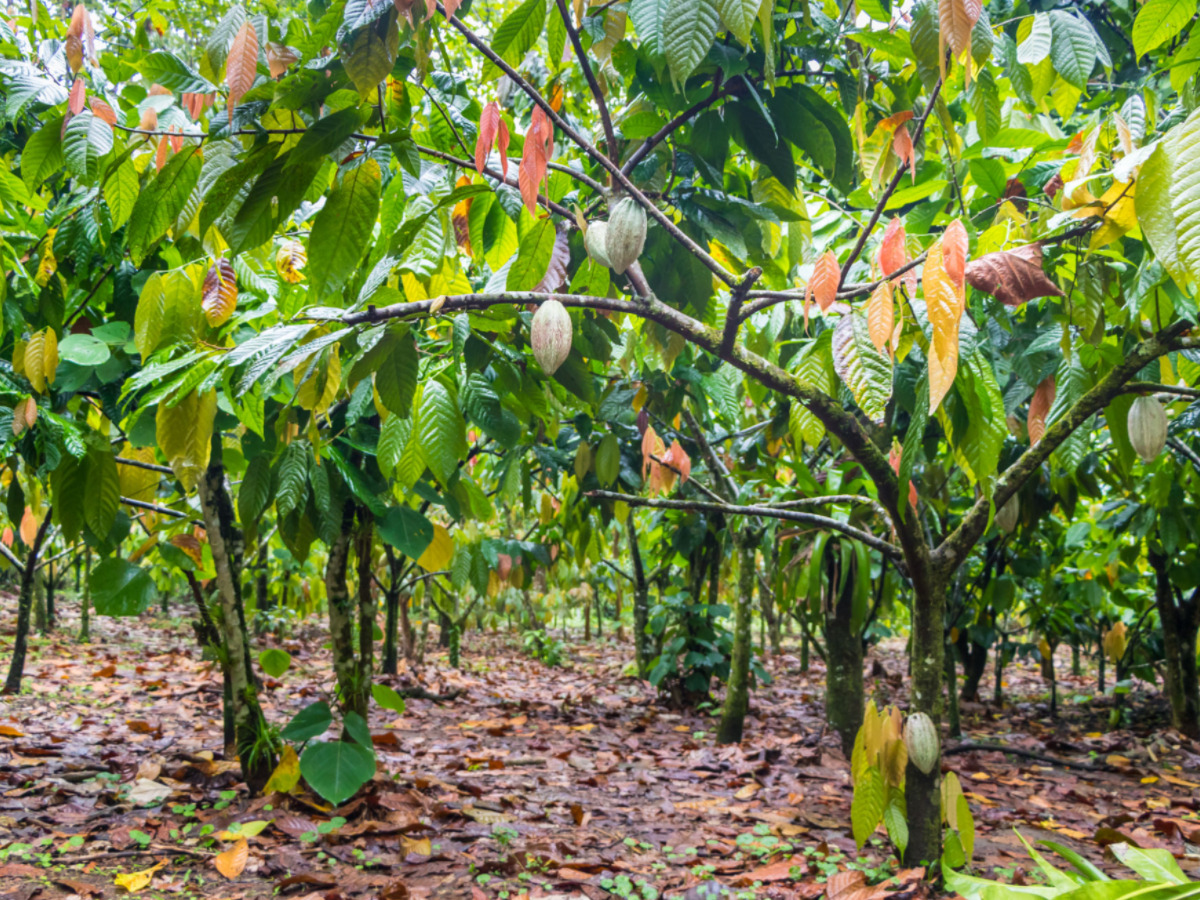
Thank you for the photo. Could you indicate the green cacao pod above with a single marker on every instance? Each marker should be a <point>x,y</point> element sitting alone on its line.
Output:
<point>921,741</point>
<point>1007,515</point>
<point>593,242</point>
<point>626,235</point>
<point>1147,427</point>
<point>550,335</point>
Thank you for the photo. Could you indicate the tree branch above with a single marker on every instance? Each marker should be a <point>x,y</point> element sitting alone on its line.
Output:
<point>1184,450</point>
<point>610,137</point>
<point>954,549</point>
<point>1147,387</point>
<point>493,174</point>
<point>889,550</point>
<point>736,298</point>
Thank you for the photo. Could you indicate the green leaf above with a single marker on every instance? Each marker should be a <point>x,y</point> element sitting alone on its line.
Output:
<point>121,588</point>
<point>689,28</point>
<point>1036,46</point>
<point>311,721</point>
<point>862,368</point>
<point>1154,865</point>
<point>516,35</point>
<point>325,136</point>
<point>966,827</point>
<point>441,437</point>
<point>42,154</point>
<point>394,437</point>
<point>293,477</point>
<point>739,16</point>
<point>171,72</point>
<point>1160,21</point>
<point>977,445</point>
<point>103,495</point>
<point>897,826</point>
<point>88,138</point>
<point>481,403</point>
<point>341,232</point>
<point>406,530</point>
<point>160,202</point>
<point>608,460</point>
<point>369,53</point>
<point>83,350</point>
<point>815,368</point>
<point>337,769</point>
<point>1157,210</point>
<point>388,698</point>
<point>275,661</point>
<point>1073,48</point>
<point>866,807</point>
<point>255,490</point>
<point>396,377</point>
<point>356,727</point>
<point>533,257</point>
<point>648,17</point>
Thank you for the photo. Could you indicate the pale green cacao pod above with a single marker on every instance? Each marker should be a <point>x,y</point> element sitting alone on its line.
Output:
<point>626,235</point>
<point>593,241</point>
<point>1007,515</point>
<point>921,742</point>
<point>550,335</point>
<point>1147,427</point>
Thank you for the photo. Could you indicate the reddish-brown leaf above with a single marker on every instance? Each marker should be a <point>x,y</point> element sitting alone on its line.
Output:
<point>556,271</point>
<point>102,110</point>
<point>954,252</point>
<point>956,18</point>
<point>489,123</point>
<point>823,283</point>
<point>77,97</point>
<point>896,455</point>
<point>279,58</point>
<point>149,120</point>
<point>903,145</point>
<point>451,7</point>
<point>1039,408</point>
<point>160,156</point>
<point>893,254</point>
<point>539,146</point>
<point>220,293</point>
<point>241,66</point>
<point>1012,276</point>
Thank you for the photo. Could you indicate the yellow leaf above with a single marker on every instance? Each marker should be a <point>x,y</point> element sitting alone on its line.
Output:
<point>881,316</point>
<point>136,881</point>
<point>286,775</point>
<point>440,551</point>
<point>233,861</point>
<point>290,261</point>
<point>944,304</point>
<point>41,359</point>
<point>136,482</point>
<point>184,434</point>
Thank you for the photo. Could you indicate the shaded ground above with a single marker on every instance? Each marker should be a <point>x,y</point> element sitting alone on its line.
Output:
<point>570,782</point>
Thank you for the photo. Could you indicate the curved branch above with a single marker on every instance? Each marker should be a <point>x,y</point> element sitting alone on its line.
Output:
<point>495,175</point>
<point>891,551</point>
<point>954,549</point>
<point>1149,387</point>
<point>610,136</point>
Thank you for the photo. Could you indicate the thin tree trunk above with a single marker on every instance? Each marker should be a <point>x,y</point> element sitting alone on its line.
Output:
<point>366,609</point>
<point>341,615</point>
<point>262,592</point>
<point>1180,621</point>
<point>255,750</point>
<point>51,605</point>
<point>85,600</point>
<point>16,668</point>
<point>845,698</point>
<point>737,695</point>
<point>923,790</point>
<point>641,602</point>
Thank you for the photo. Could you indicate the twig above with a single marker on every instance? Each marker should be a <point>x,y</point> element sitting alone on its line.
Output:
<point>610,137</point>
<point>138,464</point>
<point>970,746</point>
<point>492,173</point>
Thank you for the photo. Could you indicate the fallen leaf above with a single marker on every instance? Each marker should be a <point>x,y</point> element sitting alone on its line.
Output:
<point>137,881</point>
<point>233,861</point>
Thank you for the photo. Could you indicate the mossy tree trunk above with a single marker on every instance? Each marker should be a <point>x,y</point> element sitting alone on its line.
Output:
<point>254,748</point>
<point>844,694</point>
<point>737,695</point>
<point>1180,619</point>
<point>354,685</point>
<point>16,667</point>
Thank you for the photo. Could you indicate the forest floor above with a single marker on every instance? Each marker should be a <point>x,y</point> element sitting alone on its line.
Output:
<point>569,782</point>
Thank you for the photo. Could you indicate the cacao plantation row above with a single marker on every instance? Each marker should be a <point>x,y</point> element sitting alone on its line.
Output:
<point>710,353</point>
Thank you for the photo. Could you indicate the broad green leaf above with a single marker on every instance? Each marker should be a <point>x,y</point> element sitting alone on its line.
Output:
<point>1036,45</point>
<point>739,16</point>
<point>1159,21</point>
<point>1073,47</point>
<point>866,806</point>
<point>648,17</point>
<point>337,769</point>
<point>161,200</point>
<point>441,436</point>
<point>406,530</point>
<point>533,257</point>
<point>121,588</point>
<point>103,495</point>
<point>396,377</point>
<point>370,52</point>
<point>310,722</point>
<point>88,138</point>
<point>388,697</point>
<point>689,28</point>
<point>167,69</point>
<point>274,661</point>
<point>517,34</point>
<point>342,231</point>
<point>862,368</point>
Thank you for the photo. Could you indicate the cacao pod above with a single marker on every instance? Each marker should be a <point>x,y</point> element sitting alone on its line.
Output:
<point>626,235</point>
<point>1115,641</point>
<point>921,741</point>
<point>593,242</point>
<point>1007,515</point>
<point>550,335</point>
<point>1147,427</point>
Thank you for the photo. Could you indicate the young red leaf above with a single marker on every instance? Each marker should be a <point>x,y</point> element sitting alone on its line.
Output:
<point>489,123</point>
<point>219,298</point>
<point>77,97</point>
<point>954,252</point>
<point>894,458</point>
<point>102,111</point>
<point>823,283</point>
<point>903,145</point>
<point>241,66</point>
<point>1012,276</point>
<point>1039,408</point>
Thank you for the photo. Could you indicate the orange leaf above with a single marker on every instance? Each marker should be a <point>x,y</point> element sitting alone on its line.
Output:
<point>539,143</point>
<point>652,445</point>
<point>160,156</point>
<point>233,861</point>
<point>29,527</point>
<point>894,458</point>
<point>1012,276</point>
<point>220,293</point>
<point>451,7</point>
<point>279,58</point>
<point>903,145</point>
<point>944,305</point>
<point>956,18</point>
<point>241,66</point>
<point>823,284</point>
<point>77,97</point>
<point>103,111</point>
<point>1039,408</point>
<point>893,254</point>
<point>489,123</point>
<point>679,459</point>
<point>881,316</point>
<point>149,120</point>
<point>954,251</point>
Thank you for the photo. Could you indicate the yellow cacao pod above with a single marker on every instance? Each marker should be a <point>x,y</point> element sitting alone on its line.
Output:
<point>1147,427</point>
<point>626,235</point>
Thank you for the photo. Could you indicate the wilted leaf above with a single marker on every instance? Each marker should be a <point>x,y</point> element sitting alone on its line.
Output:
<point>1012,276</point>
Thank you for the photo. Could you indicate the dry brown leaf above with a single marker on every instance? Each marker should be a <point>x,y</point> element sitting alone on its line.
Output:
<point>1013,276</point>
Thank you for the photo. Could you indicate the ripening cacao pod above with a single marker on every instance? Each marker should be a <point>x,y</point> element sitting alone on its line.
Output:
<point>593,242</point>
<point>921,741</point>
<point>1007,515</point>
<point>550,335</point>
<point>1147,427</point>
<point>626,235</point>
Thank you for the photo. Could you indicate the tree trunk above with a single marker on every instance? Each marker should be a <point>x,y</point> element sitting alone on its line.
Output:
<point>1180,622</point>
<point>254,747</point>
<point>737,694</point>
<point>85,600</point>
<point>923,791</point>
<point>974,663</point>
<point>341,615</point>
<point>641,603</point>
<point>953,721</point>
<point>366,611</point>
<point>16,668</point>
<point>51,611</point>
<point>39,604</point>
<point>844,692</point>
<point>262,592</point>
